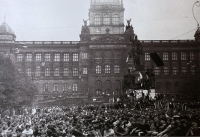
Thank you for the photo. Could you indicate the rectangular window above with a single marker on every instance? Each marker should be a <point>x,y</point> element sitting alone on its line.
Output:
<point>147,56</point>
<point>75,56</point>
<point>85,56</point>
<point>57,57</point>
<point>107,69</point>
<point>38,57</point>
<point>66,57</point>
<point>165,56</point>
<point>183,55</point>
<point>47,57</point>
<point>191,55</point>
<point>84,70</point>
<point>19,57</point>
<point>75,72</point>
<point>28,57</point>
<point>174,55</point>
<point>98,69</point>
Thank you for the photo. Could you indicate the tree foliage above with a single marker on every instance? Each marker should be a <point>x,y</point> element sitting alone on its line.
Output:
<point>16,89</point>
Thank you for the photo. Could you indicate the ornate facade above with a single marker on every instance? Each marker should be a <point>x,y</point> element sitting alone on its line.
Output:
<point>95,65</point>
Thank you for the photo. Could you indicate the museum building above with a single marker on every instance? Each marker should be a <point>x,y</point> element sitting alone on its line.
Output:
<point>96,64</point>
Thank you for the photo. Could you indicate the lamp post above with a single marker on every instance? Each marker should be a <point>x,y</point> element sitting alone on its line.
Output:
<point>196,3</point>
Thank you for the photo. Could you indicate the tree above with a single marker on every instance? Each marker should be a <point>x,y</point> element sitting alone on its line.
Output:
<point>16,89</point>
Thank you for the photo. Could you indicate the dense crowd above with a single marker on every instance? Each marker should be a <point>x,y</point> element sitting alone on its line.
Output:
<point>126,117</point>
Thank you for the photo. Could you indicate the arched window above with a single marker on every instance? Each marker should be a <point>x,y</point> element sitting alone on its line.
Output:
<point>98,88</point>
<point>192,70</point>
<point>97,19</point>
<point>184,70</point>
<point>74,87</point>
<point>65,87</point>
<point>106,19</point>
<point>117,87</point>
<point>166,71</point>
<point>56,72</point>
<point>168,86</point>
<point>98,84</point>
<point>66,72</point>
<point>115,19</point>
<point>98,69</point>
<point>157,71</point>
<point>158,85</point>
<point>175,71</point>
<point>108,86</point>
<point>28,72</point>
<point>75,72</point>
<point>116,69</point>
<point>55,87</point>
<point>47,72</point>
<point>46,87</point>
<point>107,69</point>
<point>37,72</point>
<point>176,86</point>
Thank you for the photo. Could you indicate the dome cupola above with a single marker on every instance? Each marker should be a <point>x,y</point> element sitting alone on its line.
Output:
<point>6,33</point>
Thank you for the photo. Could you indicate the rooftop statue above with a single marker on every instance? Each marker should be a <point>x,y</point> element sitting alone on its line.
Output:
<point>128,21</point>
<point>85,22</point>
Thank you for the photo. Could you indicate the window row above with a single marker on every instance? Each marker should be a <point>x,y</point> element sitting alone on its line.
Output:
<point>56,72</point>
<point>65,87</point>
<point>108,87</point>
<point>175,71</point>
<point>48,57</point>
<point>168,86</point>
<point>107,69</point>
<point>174,56</point>
<point>107,19</point>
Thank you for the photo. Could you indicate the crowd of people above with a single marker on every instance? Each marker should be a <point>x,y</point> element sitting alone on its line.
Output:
<point>126,117</point>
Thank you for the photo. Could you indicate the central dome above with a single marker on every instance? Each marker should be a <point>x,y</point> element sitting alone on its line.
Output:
<point>5,29</point>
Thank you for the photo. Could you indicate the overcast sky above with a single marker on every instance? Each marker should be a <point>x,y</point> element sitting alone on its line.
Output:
<point>61,20</point>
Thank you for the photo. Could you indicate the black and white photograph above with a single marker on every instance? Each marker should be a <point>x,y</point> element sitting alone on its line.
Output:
<point>99,68</point>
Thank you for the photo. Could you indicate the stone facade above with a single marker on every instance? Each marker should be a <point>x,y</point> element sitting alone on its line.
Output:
<point>95,65</point>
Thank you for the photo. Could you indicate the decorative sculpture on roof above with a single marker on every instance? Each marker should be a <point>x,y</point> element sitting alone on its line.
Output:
<point>85,22</point>
<point>129,28</point>
<point>85,28</point>
<point>85,31</point>
<point>128,21</point>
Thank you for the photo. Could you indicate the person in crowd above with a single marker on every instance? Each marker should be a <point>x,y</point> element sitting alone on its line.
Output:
<point>136,118</point>
<point>28,132</point>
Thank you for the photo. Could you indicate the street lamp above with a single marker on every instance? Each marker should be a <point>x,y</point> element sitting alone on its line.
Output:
<point>196,3</point>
